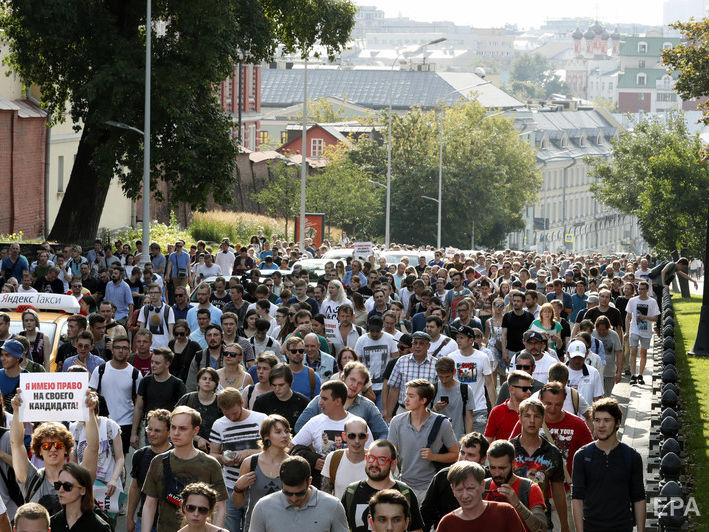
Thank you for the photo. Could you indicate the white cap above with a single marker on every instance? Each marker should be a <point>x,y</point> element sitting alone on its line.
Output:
<point>577,349</point>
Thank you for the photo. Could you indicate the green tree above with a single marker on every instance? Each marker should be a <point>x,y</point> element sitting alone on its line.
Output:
<point>322,112</point>
<point>88,56</point>
<point>489,174</point>
<point>657,174</point>
<point>281,195</point>
<point>341,191</point>
<point>536,70</point>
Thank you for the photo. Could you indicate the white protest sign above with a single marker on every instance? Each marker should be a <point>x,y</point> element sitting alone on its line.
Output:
<point>363,250</point>
<point>54,396</point>
<point>330,326</point>
<point>108,504</point>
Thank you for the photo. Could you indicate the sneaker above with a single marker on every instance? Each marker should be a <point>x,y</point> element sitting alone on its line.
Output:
<point>640,380</point>
<point>627,372</point>
<point>633,380</point>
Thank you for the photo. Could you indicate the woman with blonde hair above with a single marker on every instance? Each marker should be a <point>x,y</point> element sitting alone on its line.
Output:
<point>233,374</point>
<point>548,326</point>
<point>335,298</point>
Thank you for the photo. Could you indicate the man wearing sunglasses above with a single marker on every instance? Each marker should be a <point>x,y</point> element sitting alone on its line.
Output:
<point>380,462</point>
<point>523,362</point>
<point>345,466</point>
<point>504,417</point>
<point>298,505</point>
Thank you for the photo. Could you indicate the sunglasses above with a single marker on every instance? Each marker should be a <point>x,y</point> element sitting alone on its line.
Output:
<point>297,350</point>
<point>49,444</point>
<point>381,460</point>
<point>523,388</point>
<point>190,508</point>
<point>231,354</point>
<point>359,436</point>
<point>180,334</point>
<point>295,493</point>
<point>68,486</point>
<point>523,367</point>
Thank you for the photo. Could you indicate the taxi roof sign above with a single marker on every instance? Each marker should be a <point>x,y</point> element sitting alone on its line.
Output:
<point>39,301</point>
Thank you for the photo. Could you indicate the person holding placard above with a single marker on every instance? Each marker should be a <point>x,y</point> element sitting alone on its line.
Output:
<point>53,443</point>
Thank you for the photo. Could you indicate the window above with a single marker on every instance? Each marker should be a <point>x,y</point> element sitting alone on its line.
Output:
<point>642,47</point>
<point>666,45</point>
<point>228,101</point>
<point>641,79</point>
<point>316,147</point>
<point>666,97</point>
<point>252,137</point>
<point>641,63</point>
<point>284,137</point>
<point>263,137</point>
<point>60,174</point>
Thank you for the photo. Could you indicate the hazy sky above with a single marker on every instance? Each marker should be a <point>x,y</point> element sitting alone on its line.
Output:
<point>524,13</point>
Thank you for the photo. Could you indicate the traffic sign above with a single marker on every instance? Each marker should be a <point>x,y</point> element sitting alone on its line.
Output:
<point>568,237</point>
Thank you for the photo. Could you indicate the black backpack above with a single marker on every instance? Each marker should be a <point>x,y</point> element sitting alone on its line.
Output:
<point>134,389</point>
<point>463,393</point>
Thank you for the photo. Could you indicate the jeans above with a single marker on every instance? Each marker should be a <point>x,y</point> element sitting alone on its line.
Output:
<point>234,516</point>
<point>139,523</point>
<point>378,402</point>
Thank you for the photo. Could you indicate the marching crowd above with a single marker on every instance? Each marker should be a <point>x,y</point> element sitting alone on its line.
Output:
<point>460,392</point>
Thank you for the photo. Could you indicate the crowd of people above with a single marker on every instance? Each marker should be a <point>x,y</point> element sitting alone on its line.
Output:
<point>426,395</point>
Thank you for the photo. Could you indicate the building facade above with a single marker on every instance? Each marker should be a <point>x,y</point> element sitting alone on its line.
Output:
<point>240,97</point>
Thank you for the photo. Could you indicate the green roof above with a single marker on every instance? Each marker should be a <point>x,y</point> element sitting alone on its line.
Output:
<point>628,79</point>
<point>629,46</point>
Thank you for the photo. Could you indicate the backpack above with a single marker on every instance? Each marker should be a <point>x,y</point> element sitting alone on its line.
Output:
<point>335,464</point>
<point>463,393</point>
<point>102,370</point>
<point>13,488</point>
<point>437,422</point>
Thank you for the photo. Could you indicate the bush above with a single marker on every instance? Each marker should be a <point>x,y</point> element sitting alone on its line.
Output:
<point>163,234</point>
<point>238,227</point>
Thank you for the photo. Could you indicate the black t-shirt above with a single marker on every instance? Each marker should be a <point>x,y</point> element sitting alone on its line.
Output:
<point>291,409</point>
<point>141,463</point>
<point>54,287</point>
<point>358,510</point>
<point>620,303</point>
<point>92,284</point>
<point>210,413</point>
<point>389,368</point>
<point>89,522</point>
<point>613,314</point>
<point>220,302</point>
<point>160,394</point>
<point>65,351</point>
<point>516,325</point>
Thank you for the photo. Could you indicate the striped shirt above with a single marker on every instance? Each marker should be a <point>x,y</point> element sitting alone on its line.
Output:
<point>407,369</point>
<point>236,436</point>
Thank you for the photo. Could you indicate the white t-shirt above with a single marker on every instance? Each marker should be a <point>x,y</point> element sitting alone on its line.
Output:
<point>375,354</point>
<point>646,307</point>
<point>117,388</point>
<point>541,367</point>
<point>472,370</point>
<point>569,403</point>
<point>208,271</point>
<point>347,473</point>
<point>446,350</point>
<point>225,261</point>
<point>30,290</point>
<point>156,323</point>
<point>272,309</point>
<point>589,386</point>
<point>325,434</point>
<point>236,436</point>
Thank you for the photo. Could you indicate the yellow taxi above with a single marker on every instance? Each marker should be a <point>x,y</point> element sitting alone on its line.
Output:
<point>52,309</point>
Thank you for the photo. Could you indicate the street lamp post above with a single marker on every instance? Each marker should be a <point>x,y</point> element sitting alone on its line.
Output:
<point>303,165</point>
<point>387,221</point>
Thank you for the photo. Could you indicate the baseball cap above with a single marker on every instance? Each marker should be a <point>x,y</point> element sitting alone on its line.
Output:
<point>569,272</point>
<point>577,349</point>
<point>406,340</point>
<point>13,347</point>
<point>592,298</point>
<point>422,335</point>
<point>534,335</point>
<point>467,330</point>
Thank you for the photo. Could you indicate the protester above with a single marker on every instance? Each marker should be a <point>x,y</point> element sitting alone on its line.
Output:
<point>198,502</point>
<point>76,495</point>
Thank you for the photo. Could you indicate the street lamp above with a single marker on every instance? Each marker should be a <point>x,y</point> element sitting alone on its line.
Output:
<point>303,167</point>
<point>387,221</point>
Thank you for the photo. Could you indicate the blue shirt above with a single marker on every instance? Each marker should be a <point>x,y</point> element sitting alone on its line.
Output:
<point>181,314</point>
<point>301,383</point>
<point>179,260</point>
<point>578,303</point>
<point>9,385</point>
<point>121,296</point>
<point>15,268</point>
<point>91,363</point>
<point>214,312</point>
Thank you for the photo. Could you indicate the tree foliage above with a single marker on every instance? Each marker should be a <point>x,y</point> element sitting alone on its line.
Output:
<point>535,70</point>
<point>88,56</point>
<point>489,174</point>
<point>657,174</point>
<point>691,59</point>
<point>280,197</point>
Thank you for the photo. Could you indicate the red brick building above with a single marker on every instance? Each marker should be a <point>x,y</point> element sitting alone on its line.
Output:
<point>242,91</point>
<point>23,137</point>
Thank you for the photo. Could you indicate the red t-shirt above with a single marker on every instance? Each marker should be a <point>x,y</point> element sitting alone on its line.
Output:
<point>535,495</point>
<point>142,365</point>
<point>501,421</point>
<point>570,434</point>
<point>498,516</point>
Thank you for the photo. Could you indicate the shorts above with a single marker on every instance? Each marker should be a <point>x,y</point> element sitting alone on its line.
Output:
<point>643,341</point>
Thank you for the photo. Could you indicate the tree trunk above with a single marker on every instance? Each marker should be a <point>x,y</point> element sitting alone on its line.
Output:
<point>80,212</point>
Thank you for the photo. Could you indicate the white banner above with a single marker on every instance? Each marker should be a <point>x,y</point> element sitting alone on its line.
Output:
<point>112,504</point>
<point>54,396</point>
<point>330,326</point>
<point>363,250</point>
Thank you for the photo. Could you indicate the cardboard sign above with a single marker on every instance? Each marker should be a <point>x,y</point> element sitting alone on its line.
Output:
<point>363,250</point>
<point>54,396</point>
<point>330,326</point>
<point>112,504</point>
